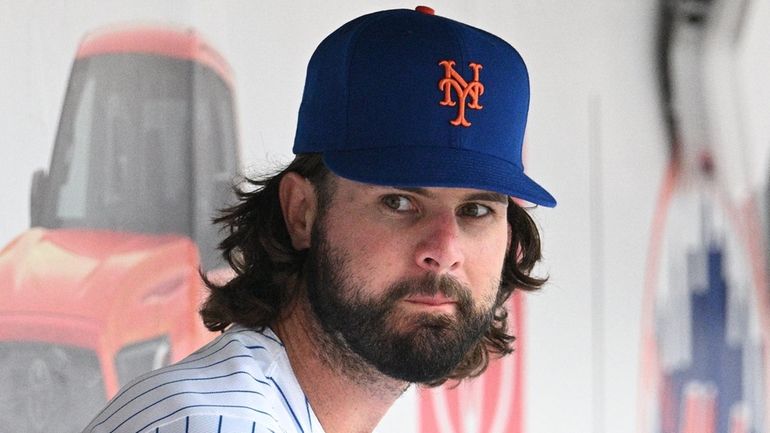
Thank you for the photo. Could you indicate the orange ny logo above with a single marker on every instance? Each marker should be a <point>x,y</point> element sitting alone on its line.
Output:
<point>463,89</point>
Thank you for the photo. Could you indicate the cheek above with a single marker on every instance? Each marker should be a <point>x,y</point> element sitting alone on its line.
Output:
<point>380,255</point>
<point>485,263</point>
<point>372,253</point>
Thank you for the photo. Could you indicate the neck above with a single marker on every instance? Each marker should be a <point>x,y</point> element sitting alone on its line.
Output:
<point>347,394</point>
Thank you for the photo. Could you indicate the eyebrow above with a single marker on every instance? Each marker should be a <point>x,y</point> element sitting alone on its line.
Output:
<point>476,196</point>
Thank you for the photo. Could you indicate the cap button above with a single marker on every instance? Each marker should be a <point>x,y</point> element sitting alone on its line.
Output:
<point>425,10</point>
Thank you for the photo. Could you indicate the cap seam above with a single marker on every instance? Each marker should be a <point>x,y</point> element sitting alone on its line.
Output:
<point>457,138</point>
<point>354,39</point>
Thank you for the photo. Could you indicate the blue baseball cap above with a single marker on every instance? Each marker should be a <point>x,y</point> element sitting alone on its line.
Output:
<point>410,99</point>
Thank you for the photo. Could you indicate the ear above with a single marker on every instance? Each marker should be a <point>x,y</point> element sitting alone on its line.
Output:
<point>298,204</point>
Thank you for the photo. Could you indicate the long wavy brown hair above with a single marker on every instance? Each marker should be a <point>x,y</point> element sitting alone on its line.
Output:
<point>268,270</point>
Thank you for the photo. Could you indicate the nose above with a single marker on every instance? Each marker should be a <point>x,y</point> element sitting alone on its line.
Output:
<point>439,250</point>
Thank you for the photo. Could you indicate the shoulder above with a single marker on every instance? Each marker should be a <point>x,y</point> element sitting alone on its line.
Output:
<point>229,380</point>
<point>207,423</point>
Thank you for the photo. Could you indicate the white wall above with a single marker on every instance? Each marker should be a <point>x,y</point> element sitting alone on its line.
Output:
<point>595,140</point>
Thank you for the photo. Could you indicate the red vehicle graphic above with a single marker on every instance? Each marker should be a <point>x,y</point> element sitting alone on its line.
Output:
<point>105,286</point>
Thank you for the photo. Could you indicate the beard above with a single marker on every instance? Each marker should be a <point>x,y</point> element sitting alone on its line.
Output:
<point>363,331</point>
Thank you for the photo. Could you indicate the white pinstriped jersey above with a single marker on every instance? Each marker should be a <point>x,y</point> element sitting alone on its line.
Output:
<point>241,382</point>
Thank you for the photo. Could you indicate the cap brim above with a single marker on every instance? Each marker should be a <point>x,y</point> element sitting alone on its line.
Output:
<point>421,166</point>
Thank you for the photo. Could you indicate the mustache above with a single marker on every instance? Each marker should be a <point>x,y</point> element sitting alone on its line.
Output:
<point>431,285</point>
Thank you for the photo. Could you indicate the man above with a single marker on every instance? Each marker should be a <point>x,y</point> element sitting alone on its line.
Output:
<point>381,256</point>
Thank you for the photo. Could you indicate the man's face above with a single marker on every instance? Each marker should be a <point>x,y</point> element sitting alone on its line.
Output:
<point>407,278</point>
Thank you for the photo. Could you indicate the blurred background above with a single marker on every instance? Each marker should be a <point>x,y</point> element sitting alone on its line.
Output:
<point>648,123</point>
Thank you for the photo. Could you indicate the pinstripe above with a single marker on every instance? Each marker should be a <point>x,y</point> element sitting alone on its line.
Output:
<point>195,379</point>
<point>175,369</point>
<point>309,418</point>
<point>190,361</point>
<point>291,409</point>
<point>271,338</point>
<point>201,406</point>
<point>235,382</point>
<point>174,395</point>
<point>213,343</point>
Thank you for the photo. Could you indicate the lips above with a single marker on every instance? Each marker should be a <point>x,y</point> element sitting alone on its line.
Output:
<point>436,300</point>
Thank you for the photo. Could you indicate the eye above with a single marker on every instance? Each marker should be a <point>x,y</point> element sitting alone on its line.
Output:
<point>398,203</point>
<point>474,210</point>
